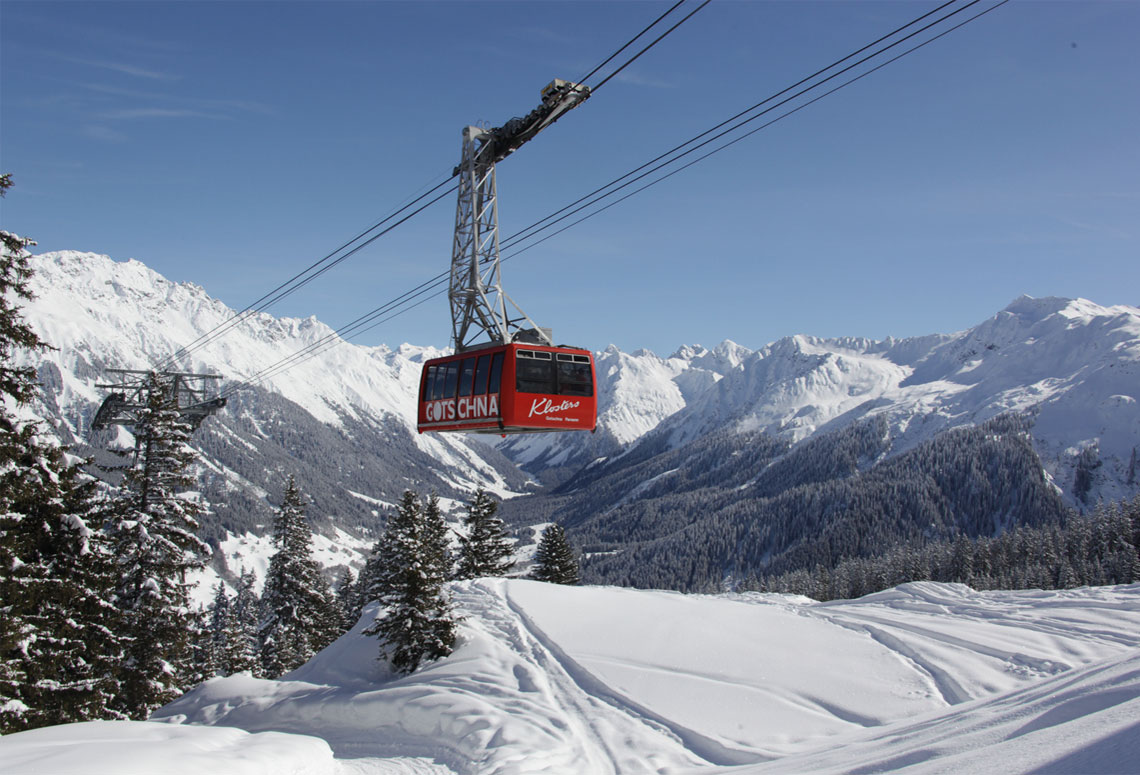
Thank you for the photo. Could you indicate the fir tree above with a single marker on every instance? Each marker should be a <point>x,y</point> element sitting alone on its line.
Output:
<point>153,524</point>
<point>485,550</point>
<point>299,615</point>
<point>17,383</point>
<point>554,561</point>
<point>218,634</point>
<point>58,636</point>
<point>203,662</point>
<point>414,563</point>
<point>242,640</point>
<point>370,582</point>
<point>346,594</point>
<point>56,578</point>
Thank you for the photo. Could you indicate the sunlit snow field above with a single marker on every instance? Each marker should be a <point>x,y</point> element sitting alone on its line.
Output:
<point>924,678</point>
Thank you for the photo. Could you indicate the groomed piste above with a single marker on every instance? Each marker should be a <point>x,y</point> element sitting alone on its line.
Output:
<point>923,678</point>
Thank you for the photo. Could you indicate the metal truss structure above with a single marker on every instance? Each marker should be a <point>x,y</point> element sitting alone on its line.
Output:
<point>130,391</point>
<point>479,306</point>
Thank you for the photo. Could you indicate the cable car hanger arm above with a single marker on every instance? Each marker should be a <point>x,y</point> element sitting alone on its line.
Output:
<point>558,98</point>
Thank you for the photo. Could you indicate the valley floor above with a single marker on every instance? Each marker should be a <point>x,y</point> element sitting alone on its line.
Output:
<point>924,678</point>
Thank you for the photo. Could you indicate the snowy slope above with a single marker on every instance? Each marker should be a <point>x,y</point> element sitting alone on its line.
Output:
<point>101,313</point>
<point>1071,364</point>
<point>342,423</point>
<point>548,679</point>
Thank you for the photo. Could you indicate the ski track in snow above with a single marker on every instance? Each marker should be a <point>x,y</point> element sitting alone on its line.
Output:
<point>592,714</point>
<point>396,766</point>
<point>930,679</point>
<point>583,693</point>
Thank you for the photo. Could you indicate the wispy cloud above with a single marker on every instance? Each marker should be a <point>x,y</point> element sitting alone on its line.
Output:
<point>633,79</point>
<point>128,114</point>
<point>203,103</point>
<point>118,67</point>
<point>103,133</point>
<point>87,34</point>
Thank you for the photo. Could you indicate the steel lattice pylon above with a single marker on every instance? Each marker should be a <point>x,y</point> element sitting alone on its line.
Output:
<point>478,302</point>
<point>479,306</point>
<point>131,388</point>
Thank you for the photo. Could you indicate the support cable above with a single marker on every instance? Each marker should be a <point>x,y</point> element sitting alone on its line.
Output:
<point>629,43</point>
<point>423,292</point>
<point>657,40</point>
<point>552,218</point>
<point>303,278</point>
<point>316,269</point>
<point>757,129</point>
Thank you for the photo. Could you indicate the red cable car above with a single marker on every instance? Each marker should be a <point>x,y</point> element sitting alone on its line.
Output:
<point>519,381</point>
<point>512,388</point>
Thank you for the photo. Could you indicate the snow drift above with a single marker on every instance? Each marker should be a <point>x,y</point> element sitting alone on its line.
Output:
<point>926,677</point>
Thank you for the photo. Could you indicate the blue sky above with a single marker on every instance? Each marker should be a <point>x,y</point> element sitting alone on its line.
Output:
<point>233,144</point>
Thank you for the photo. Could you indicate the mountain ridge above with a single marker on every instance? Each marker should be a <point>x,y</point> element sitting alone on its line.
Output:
<point>347,417</point>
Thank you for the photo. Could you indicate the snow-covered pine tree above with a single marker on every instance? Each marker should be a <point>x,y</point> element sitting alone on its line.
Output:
<point>299,612</point>
<point>218,631</point>
<point>153,525</point>
<point>485,550</point>
<point>202,663</point>
<point>18,384</point>
<point>58,634</point>
<point>56,580</point>
<point>371,581</point>
<point>241,640</point>
<point>417,623</point>
<point>346,595</point>
<point>554,560</point>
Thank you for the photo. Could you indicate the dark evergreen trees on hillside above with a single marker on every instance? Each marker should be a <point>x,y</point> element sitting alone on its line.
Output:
<point>17,383</point>
<point>369,584</point>
<point>1097,550</point>
<point>485,550</point>
<point>300,615</point>
<point>219,625</point>
<point>412,564</point>
<point>56,582</point>
<point>347,593</point>
<point>58,634</point>
<point>153,525</point>
<point>554,560</point>
<point>789,515</point>
<point>242,654</point>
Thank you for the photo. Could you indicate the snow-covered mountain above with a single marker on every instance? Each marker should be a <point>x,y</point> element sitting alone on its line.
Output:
<point>1071,364</point>
<point>925,678</point>
<point>343,422</point>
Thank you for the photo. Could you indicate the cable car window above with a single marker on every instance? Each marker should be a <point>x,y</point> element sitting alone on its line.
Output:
<point>437,386</point>
<point>574,378</point>
<point>496,373</point>
<point>429,383</point>
<point>449,380</point>
<point>481,374</point>
<point>466,373</point>
<point>534,372</point>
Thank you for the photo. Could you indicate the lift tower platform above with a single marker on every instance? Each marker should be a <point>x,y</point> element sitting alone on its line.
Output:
<point>129,396</point>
